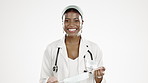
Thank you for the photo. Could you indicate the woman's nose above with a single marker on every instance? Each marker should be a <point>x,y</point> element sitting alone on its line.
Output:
<point>71,23</point>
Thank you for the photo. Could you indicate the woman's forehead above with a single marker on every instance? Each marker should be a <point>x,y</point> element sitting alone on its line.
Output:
<point>72,15</point>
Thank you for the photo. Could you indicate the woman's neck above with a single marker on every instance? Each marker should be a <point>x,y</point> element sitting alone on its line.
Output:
<point>72,40</point>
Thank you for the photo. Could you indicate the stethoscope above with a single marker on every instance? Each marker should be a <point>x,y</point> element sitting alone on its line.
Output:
<point>55,68</point>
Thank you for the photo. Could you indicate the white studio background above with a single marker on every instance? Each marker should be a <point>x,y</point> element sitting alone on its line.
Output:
<point>119,27</point>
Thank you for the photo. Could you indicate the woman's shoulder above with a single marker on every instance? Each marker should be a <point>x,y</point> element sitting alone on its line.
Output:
<point>54,43</point>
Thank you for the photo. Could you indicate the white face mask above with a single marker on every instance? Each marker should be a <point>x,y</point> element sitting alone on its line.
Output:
<point>76,78</point>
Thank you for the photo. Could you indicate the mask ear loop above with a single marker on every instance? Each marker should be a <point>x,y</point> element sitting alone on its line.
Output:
<point>81,26</point>
<point>79,33</point>
<point>63,17</point>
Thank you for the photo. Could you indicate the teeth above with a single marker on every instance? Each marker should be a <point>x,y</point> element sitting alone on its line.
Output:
<point>71,29</point>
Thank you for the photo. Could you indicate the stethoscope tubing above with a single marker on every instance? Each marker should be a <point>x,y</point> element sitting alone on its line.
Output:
<point>55,68</point>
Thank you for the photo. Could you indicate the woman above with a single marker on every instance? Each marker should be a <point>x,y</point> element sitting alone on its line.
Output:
<point>67,57</point>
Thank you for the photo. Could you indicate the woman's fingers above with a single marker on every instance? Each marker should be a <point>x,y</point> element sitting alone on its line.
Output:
<point>99,72</point>
<point>52,80</point>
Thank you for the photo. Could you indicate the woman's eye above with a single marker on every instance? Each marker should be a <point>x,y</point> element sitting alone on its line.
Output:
<point>66,20</point>
<point>76,20</point>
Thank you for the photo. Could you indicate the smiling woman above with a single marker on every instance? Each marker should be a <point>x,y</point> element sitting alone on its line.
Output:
<point>67,57</point>
<point>73,21</point>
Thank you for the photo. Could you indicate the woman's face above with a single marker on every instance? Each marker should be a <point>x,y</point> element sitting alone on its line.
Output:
<point>72,23</point>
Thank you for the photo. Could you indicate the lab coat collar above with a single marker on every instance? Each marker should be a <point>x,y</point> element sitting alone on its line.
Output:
<point>61,43</point>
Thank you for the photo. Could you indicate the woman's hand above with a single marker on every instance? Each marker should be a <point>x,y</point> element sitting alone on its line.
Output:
<point>98,74</point>
<point>52,80</point>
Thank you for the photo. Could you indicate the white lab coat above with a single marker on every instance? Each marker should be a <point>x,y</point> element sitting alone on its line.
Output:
<point>50,57</point>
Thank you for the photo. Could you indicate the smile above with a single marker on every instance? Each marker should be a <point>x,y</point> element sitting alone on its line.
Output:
<point>72,29</point>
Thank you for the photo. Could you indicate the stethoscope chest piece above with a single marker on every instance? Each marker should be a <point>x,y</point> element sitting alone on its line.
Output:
<point>55,68</point>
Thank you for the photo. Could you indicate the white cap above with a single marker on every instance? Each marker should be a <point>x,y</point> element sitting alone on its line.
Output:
<point>74,7</point>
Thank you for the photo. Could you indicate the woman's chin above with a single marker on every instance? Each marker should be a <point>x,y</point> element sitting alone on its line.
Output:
<point>72,35</point>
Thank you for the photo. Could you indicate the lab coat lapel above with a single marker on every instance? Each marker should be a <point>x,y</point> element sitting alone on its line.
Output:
<point>82,52</point>
<point>63,52</point>
<point>63,55</point>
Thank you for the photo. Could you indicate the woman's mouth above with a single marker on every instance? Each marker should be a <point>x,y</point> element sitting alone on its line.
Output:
<point>71,30</point>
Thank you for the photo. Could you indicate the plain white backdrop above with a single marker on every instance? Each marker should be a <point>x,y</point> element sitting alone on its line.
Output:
<point>119,27</point>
